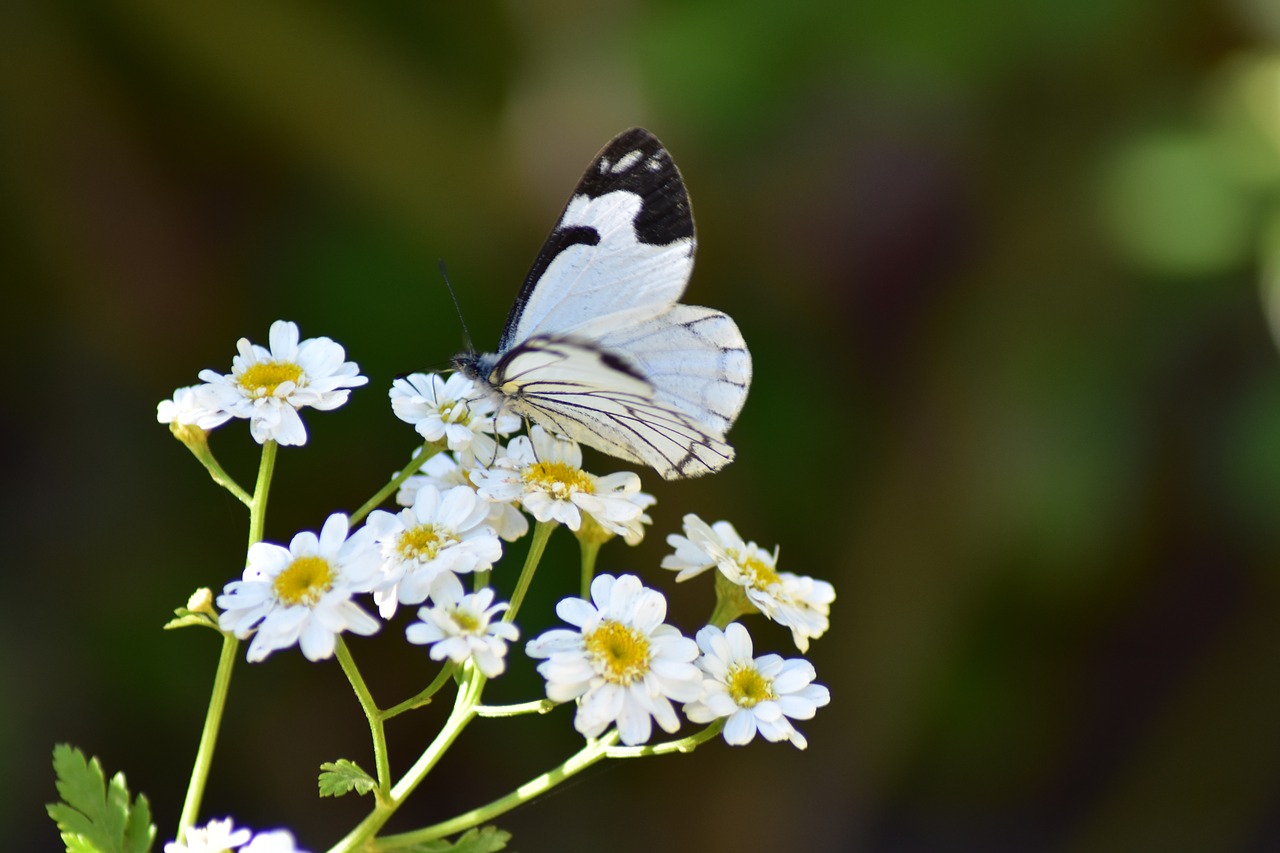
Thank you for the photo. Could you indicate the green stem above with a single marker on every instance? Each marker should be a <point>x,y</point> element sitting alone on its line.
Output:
<point>541,533</point>
<point>731,602</point>
<point>593,752</point>
<point>226,661</point>
<point>681,745</point>
<point>538,706</point>
<point>376,729</point>
<point>428,450</point>
<point>358,838</point>
<point>219,475</point>
<point>589,552</point>
<point>423,697</point>
<point>258,505</point>
<point>209,737</point>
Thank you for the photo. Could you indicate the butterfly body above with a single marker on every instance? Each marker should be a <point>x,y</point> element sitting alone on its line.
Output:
<point>597,346</point>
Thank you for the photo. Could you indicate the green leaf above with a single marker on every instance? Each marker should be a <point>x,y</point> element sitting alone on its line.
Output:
<point>488,839</point>
<point>342,776</point>
<point>94,816</point>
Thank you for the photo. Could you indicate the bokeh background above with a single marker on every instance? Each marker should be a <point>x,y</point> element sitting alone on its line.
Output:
<point>1002,265</point>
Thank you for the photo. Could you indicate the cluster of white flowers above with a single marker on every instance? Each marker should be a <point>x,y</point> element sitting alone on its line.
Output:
<point>544,473</point>
<point>625,666</point>
<point>451,410</point>
<point>801,603</point>
<point>268,387</point>
<point>620,662</point>
<point>221,836</point>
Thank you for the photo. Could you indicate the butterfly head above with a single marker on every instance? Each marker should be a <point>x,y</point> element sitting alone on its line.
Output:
<point>476,366</point>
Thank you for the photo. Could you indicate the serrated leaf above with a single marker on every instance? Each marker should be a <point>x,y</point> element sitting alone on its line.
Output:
<point>342,776</point>
<point>486,839</point>
<point>94,816</point>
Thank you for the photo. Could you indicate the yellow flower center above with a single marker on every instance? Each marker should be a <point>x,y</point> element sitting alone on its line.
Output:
<point>759,574</point>
<point>261,379</point>
<point>622,651</point>
<point>457,412</point>
<point>558,479</point>
<point>304,581</point>
<point>423,542</point>
<point>748,687</point>
<point>465,621</point>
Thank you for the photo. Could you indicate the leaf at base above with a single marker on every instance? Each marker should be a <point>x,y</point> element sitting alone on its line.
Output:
<point>94,816</point>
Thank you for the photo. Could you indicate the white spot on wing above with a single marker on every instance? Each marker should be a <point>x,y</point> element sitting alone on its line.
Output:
<point>626,161</point>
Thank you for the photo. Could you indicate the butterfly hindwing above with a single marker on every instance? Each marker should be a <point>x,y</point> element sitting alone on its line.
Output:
<point>600,399</point>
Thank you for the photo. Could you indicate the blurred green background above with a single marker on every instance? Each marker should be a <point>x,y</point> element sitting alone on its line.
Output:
<point>1001,267</point>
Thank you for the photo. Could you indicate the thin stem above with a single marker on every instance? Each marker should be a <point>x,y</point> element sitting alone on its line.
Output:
<point>588,551</point>
<point>541,533</point>
<point>538,706</point>
<point>579,761</point>
<point>209,737</point>
<point>219,475</point>
<point>226,661</point>
<point>358,838</point>
<point>428,450</point>
<point>681,745</point>
<point>258,505</point>
<point>424,697</point>
<point>376,729</point>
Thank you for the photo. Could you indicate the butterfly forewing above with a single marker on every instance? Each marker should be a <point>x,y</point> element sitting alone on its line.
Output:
<point>622,250</point>
<point>597,347</point>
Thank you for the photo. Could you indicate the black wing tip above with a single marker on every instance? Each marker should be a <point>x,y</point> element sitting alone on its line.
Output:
<point>636,161</point>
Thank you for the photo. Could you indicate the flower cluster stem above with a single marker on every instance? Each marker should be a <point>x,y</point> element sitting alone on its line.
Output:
<point>359,837</point>
<point>593,752</point>
<point>226,661</point>
<point>209,737</point>
<point>376,728</point>
<point>589,552</point>
<point>541,533</point>
<point>428,450</point>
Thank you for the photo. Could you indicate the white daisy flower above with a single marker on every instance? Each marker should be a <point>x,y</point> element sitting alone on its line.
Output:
<point>439,534</point>
<point>632,531</point>
<point>217,836</point>
<point>275,841</point>
<point>622,663</point>
<point>269,386</point>
<point>453,410</point>
<point>302,594</point>
<point>756,694</point>
<point>459,626</point>
<point>801,603</point>
<point>544,473</point>
<point>444,471</point>
<point>195,405</point>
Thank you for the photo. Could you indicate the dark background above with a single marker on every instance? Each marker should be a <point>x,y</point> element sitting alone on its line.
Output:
<point>999,264</point>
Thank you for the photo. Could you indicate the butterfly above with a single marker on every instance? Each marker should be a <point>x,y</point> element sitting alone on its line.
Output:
<point>597,347</point>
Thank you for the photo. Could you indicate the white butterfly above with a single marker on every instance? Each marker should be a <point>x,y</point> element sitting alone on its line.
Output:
<point>596,346</point>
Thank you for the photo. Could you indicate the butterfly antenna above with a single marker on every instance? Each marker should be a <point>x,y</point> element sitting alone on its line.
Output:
<point>466,333</point>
